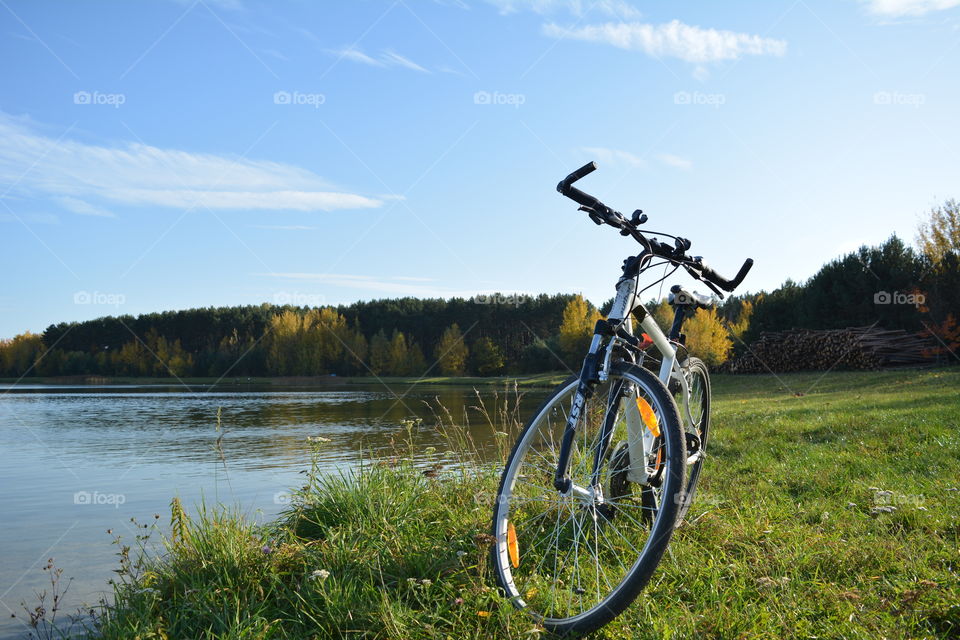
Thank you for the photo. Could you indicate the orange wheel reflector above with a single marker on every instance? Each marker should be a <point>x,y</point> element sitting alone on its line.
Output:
<point>513,549</point>
<point>649,417</point>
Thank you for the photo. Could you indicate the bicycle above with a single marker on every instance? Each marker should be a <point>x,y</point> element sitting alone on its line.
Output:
<point>608,466</point>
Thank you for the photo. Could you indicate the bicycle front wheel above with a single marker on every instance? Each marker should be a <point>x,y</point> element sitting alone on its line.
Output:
<point>574,561</point>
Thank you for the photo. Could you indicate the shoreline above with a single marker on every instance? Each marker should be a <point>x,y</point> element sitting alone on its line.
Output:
<point>527,381</point>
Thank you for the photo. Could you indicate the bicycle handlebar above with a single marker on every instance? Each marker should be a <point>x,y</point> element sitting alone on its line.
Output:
<point>601,213</point>
<point>583,171</point>
<point>723,283</point>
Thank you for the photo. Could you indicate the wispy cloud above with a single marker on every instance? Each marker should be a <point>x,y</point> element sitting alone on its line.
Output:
<point>74,172</point>
<point>615,156</point>
<point>273,53</point>
<point>675,161</point>
<point>673,39</point>
<point>355,55</point>
<point>284,227</point>
<point>392,285</point>
<point>900,8</point>
<point>36,218</point>
<point>395,58</point>
<point>386,58</point>
<point>387,285</point>
<point>84,208</point>
<point>615,8</point>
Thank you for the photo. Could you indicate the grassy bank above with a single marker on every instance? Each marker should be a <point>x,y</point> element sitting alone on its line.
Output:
<point>529,381</point>
<point>785,540</point>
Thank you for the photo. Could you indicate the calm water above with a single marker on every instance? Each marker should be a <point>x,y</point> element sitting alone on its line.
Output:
<point>78,461</point>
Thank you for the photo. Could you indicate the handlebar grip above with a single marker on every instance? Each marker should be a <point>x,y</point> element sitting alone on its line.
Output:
<point>723,283</point>
<point>585,170</point>
<point>744,270</point>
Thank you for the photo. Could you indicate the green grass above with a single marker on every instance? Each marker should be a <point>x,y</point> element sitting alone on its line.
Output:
<point>783,541</point>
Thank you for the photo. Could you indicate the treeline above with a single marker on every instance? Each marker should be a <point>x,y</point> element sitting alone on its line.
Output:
<point>891,286</point>
<point>485,335</point>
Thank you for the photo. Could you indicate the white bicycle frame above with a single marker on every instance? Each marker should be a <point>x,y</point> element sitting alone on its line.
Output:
<point>639,438</point>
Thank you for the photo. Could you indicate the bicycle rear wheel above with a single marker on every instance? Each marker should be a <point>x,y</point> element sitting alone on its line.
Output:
<point>698,382</point>
<point>575,561</point>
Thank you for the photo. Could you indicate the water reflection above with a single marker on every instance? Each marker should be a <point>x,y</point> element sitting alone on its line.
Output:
<point>148,444</point>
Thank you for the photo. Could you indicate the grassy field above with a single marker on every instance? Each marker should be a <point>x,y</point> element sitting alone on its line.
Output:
<point>787,538</point>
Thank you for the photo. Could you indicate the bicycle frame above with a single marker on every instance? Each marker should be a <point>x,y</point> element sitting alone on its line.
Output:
<point>639,439</point>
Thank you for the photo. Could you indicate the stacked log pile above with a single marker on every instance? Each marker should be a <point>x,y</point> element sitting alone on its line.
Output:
<point>852,348</point>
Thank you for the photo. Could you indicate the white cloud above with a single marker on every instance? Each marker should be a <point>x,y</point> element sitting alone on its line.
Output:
<point>74,172</point>
<point>284,227</point>
<point>83,208</point>
<point>675,161</point>
<point>38,218</point>
<point>396,59</point>
<point>385,59</point>
<point>389,285</point>
<point>355,55</point>
<point>615,8</point>
<point>394,285</point>
<point>615,156</point>
<point>673,39</point>
<point>899,8</point>
<point>275,54</point>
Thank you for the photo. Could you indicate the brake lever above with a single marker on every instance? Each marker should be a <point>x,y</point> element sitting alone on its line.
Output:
<point>712,287</point>
<point>697,276</point>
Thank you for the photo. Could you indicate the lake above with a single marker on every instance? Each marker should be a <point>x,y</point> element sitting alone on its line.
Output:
<point>77,461</point>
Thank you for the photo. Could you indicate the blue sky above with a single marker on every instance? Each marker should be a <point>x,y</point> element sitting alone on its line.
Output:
<point>167,155</point>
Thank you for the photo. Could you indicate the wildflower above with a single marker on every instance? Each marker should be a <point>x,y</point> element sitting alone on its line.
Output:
<point>458,602</point>
<point>426,582</point>
<point>266,549</point>
<point>483,614</point>
<point>320,574</point>
<point>317,439</point>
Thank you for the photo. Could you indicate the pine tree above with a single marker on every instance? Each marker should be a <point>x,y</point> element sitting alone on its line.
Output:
<point>487,357</point>
<point>380,354</point>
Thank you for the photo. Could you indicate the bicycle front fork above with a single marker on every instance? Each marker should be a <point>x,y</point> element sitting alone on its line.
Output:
<point>594,367</point>
<point>589,375</point>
